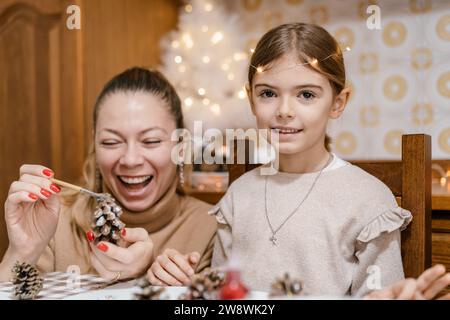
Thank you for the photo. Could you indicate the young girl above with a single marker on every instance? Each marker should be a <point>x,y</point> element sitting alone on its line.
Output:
<point>320,219</point>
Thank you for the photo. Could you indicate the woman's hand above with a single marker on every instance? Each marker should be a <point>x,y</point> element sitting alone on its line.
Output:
<point>173,268</point>
<point>428,286</point>
<point>31,213</point>
<point>129,259</point>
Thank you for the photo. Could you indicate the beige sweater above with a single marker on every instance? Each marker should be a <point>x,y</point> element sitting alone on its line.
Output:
<point>349,222</point>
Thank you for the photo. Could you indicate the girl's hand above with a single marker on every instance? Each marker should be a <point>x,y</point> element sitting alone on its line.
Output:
<point>127,260</point>
<point>31,213</point>
<point>173,268</point>
<point>429,284</point>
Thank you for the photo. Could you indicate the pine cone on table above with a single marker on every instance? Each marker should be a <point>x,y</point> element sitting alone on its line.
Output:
<point>205,286</point>
<point>148,292</point>
<point>106,224</point>
<point>26,280</point>
<point>286,287</point>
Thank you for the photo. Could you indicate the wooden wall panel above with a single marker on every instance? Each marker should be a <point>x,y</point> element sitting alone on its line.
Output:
<point>50,76</point>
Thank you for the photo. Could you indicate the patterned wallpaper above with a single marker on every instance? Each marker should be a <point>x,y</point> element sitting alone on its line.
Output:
<point>400,73</point>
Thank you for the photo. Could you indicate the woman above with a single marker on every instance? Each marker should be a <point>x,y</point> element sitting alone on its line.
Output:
<point>134,117</point>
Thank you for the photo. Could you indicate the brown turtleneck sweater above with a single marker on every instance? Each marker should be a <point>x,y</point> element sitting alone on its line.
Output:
<point>174,221</point>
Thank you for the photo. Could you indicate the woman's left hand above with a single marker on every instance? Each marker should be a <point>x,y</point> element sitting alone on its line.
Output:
<point>129,259</point>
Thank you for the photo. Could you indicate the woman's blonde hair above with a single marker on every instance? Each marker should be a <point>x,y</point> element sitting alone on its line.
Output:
<point>312,44</point>
<point>134,79</point>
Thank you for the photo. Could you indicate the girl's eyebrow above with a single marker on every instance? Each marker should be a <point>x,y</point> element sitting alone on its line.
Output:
<point>306,85</point>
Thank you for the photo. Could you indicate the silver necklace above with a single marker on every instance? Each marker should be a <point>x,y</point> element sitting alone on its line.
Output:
<point>273,238</point>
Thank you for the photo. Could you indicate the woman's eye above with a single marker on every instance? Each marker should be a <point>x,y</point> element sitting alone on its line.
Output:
<point>109,143</point>
<point>267,94</point>
<point>152,142</point>
<point>307,95</point>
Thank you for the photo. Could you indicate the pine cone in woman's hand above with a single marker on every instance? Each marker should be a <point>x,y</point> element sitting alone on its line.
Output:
<point>106,224</point>
<point>204,286</point>
<point>26,280</point>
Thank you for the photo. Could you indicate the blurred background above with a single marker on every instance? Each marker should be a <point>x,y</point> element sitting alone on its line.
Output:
<point>50,74</point>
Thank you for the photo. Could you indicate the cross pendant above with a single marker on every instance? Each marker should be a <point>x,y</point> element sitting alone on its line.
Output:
<point>274,240</point>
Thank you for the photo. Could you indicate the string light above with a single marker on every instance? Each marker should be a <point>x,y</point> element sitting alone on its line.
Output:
<point>188,101</point>
<point>239,56</point>
<point>252,50</point>
<point>178,59</point>
<point>206,101</point>
<point>217,37</point>
<point>225,66</point>
<point>347,49</point>
<point>188,8</point>
<point>206,59</point>
<point>201,91</point>
<point>175,44</point>
<point>208,7</point>
<point>242,94</point>
<point>187,39</point>
<point>215,108</point>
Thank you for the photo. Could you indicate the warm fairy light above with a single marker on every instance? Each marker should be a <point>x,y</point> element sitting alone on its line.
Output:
<point>206,59</point>
<point>175,44</point>
<point>225,66</point>
<point>188,8</point>
<point>230,76</point>
<point>217,37</point>
<point>242,94</point>
<point>314,62</point>
<point>252,50</point>
<point>201,91</point>
<point>208,7</point>
<point>182,68</point>
<point>239,56</point>
<point>178,59</point>
<point>259,69</point>
<point>187,39</point>
<point>188,102</point>
<point>347,49</point>
<point>205,28</point>
<point>206,101</point>
<point>215,108</point>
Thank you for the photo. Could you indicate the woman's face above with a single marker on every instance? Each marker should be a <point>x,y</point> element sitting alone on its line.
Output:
<point>133,147</point>
<point>294,103</point>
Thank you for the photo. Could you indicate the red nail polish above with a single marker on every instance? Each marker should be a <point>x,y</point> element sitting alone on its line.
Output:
<point>55,188</point>
<point>33,196</point>
<point>90,236</point>
<point>124,232</point>
<point>47,172</point>
<point>103,247</point>
<point>45,193</point>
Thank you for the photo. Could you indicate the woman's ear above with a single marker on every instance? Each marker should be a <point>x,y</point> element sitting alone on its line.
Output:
<point>339,103</point>
<point>250,97</point>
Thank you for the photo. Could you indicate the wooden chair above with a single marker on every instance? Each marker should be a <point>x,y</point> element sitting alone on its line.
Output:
<point>410,181</point>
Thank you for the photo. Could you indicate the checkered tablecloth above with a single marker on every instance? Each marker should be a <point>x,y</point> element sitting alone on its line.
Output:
<point>59,285</point>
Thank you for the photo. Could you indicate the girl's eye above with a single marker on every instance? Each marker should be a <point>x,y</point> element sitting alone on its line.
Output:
<point>307,95</point>
<point>267,94</point>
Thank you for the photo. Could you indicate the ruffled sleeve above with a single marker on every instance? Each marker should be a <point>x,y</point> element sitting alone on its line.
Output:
<point>395,219</point>
<point>223,212</point>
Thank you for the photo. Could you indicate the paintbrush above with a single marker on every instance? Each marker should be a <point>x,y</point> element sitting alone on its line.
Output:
<point>80,189</point>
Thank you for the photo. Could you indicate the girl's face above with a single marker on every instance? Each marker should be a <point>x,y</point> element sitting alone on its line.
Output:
<point>294,102</point>
<point>133,148</point>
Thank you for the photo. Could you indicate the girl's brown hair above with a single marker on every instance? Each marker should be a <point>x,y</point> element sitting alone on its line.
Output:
<point>312,44</point>
<point>131,80</point>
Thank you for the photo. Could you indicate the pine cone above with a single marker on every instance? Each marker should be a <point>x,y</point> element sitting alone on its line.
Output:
<point>26,280</point>
<point>148,292</point>
<point>286,287</point>
<point>204,286</point>
<point>106,224</point>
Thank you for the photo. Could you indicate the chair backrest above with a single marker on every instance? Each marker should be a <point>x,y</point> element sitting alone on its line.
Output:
<point>410,181</point>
